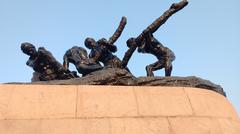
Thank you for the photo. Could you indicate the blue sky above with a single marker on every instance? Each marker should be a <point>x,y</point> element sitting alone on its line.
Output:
<point>204,35</point>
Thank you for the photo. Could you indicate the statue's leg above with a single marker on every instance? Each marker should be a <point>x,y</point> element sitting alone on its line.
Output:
<point>153,67</point>
<point>35,77</point>
<point>170,57</point>
<point>168,67</point>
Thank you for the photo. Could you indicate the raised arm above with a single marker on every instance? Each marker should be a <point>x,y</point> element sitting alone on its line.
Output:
<point>119,31</point>
<point>175,7</point>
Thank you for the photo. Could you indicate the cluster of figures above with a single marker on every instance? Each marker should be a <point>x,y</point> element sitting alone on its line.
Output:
<point>46,67</point>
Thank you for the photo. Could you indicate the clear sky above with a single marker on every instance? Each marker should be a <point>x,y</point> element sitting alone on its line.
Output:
<point>205,35</point>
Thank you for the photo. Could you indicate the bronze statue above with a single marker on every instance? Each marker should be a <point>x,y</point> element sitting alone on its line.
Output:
<point>146,42</point>
<point>44,64</point>
<point>46,67</point>
<point>103,49</point>
<point>79,57</point>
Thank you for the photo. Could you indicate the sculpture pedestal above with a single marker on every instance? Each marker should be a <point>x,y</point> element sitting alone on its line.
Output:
<point>72,109</point>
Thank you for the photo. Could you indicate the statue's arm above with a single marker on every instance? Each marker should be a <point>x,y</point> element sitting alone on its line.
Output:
<point>118,31</point>
<point>127,56</point>
<point>175,7</point>
<point>95,55</point>
<point>65,62</point>
<point>112,47</point>
<point>131,48</point>
<point>85,68</point>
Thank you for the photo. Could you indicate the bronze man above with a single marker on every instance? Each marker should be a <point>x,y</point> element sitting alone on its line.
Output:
<point>79,57</point>
<point>103,49</point>
<point>44,64</point>
<point>147,43</point>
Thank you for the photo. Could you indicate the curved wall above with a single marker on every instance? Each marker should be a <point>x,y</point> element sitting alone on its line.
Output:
<point>58,109</point>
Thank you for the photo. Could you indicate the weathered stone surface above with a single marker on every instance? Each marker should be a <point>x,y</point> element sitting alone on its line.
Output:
<point>91,109</point>
<point>194,125</point>
<point>116,76</point>
<point>175,100</point>
<point>102,102</point>
<point>229,126</point>
<point>37,101</point>
<point>205,103</point>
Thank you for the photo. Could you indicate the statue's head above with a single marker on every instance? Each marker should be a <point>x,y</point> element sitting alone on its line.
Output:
<point>102,41</point>
<point>28,48</point>
<point>90,43</point>
<point>131,42</point>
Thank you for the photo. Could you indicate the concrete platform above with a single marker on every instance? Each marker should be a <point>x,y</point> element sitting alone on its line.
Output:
<point>72,109</point>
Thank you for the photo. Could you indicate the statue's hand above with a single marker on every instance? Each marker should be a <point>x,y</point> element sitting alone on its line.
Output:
<point>174,6</point>
<point>179,6</point>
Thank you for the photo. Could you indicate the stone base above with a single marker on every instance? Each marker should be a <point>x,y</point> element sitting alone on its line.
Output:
<point>72,109</point>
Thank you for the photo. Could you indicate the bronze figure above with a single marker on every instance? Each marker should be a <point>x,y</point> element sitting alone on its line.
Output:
<point>79,57</point>
<point>46,67</point>
<point>44,64</point>
<point>103,49</point>
<point>147,43</point>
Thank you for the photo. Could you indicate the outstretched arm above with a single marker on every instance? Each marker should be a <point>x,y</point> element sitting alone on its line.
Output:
<point>175,7</point>
<point>110,43</point>
<point>119,31</point>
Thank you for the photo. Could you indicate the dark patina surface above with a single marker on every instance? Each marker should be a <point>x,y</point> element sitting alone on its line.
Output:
<point>113,71</point>
<point>121,77</point>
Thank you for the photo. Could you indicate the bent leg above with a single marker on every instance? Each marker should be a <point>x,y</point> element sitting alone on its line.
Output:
<point>153,67</point>
<point>168,67</point>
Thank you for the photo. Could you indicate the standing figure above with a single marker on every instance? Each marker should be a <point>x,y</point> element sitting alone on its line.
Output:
<point>46,67</point>
<point>147,43</point>
<point>79,57</point>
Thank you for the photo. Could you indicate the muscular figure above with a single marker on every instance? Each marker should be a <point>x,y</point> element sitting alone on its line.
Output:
<point>78,56</point>
<point>103,49</point>
<point>44,64</point>
<point>146,42</point>
<point>164,55</point>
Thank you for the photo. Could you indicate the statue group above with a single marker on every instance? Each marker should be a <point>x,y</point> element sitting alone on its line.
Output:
<point>47,68</point>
